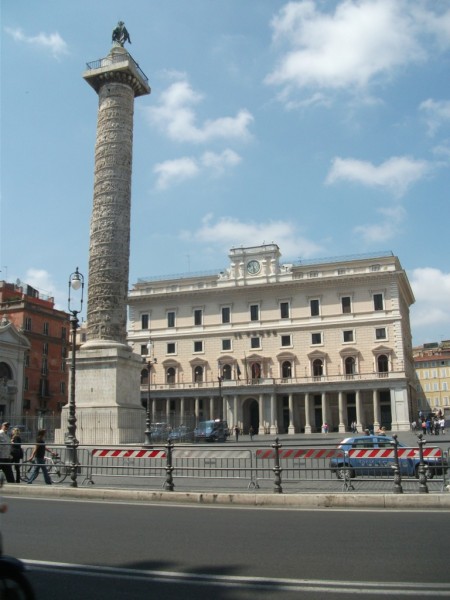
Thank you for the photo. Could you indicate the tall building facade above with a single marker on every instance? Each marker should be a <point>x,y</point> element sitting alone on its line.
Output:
<point>283,348</point>
<point>432,364</point>
<point>45,377</point>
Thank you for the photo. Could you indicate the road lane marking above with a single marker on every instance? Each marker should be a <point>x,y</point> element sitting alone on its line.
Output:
<point>427,589</point>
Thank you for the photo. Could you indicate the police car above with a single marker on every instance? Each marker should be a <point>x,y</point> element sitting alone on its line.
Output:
<point>353,464</point>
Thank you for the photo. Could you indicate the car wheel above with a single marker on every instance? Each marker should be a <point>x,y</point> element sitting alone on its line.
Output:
<point>344,473</point>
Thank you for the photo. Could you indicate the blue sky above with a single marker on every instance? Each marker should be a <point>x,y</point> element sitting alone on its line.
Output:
<point>321,126</point>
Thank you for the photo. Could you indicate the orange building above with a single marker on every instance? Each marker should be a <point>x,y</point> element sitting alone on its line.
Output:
<point>45,380</point>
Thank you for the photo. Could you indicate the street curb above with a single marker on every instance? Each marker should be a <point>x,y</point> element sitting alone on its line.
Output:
<point>306,501</point>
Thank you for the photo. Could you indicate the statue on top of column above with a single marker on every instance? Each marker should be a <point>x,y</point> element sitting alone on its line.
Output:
<point>120,34</point>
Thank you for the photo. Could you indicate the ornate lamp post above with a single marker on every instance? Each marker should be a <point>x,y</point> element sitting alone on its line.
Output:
<point>76,284</point>
<point>148,421</point>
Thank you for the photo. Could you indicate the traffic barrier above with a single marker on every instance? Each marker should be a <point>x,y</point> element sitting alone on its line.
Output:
<point>124,462</point>
<point>296,464</point>
<point>214,464</point>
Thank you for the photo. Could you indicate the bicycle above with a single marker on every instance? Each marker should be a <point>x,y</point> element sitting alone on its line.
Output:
<point>57,470</point>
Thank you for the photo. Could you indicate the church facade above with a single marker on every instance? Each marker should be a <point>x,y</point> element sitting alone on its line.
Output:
<point>283,348</point>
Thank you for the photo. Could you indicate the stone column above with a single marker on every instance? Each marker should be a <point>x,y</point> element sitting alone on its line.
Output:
<point>107,371</point>
<point>291,428</point>
<point>261,430</point>
<point>358,411</point>
<point>182,411</point>
<point>307,413</point>
<point>273,414</point>
<point>197,409</point>
<point>342,412</point>
<point>211,407</point>
<point>376,410</point>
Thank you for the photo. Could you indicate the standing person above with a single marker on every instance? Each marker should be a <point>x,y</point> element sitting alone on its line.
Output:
<point>38,457</point>
<point>236,432</point>
<point>16,451</point>
<point>251,433</point>
<point>5,453</point>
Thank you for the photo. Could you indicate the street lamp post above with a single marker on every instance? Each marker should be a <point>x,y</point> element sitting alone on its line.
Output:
<point>76,283</point>
<point>148,421</point>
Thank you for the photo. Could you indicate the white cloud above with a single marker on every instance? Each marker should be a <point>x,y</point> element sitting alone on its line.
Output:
<point>175,171</point>
<point>396,174</point>
<point>177,119</point>
<point>229,231</point>
<point>431,289</point>
<point>357,43</point>
<point>52,41</point>
<point>437,113</point>
<point>386,229</point>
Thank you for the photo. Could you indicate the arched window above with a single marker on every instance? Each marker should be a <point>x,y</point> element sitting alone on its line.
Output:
<point>170,375</point>
<point>286,369</point>
<point>350,365</point>
<point>226,372</point>
<point>256,371</point>
<point>5,371</point>
<point>318,367</point>
<point>144,376</point>
<point>383,363</point>
<point>198,374</point>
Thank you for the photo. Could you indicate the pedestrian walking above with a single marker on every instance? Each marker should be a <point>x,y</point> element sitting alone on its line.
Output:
<point>236,432</point>
<point>38,457</point>
<point>16,451</point>
<point>251,433</point>
<point>5,453</point>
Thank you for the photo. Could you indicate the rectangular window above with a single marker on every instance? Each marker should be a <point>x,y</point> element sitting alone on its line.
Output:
<point>284,310</point>
<point>144,349</point>
<point>254,312</point>
<point>315,307</point>
<point>171,319</point>
<point>44,368</point>
<point>45,348</point>
<point>348,335</point>
<point>198,346</point>
<point>316,338</point>
<point>198,316</point>
<point>346,304</point>
<point>226,314</point>
<point>63,366</point>
<point>27,323</point>
<point>255,342</point>
<point>286,340</point>
<point>226,344</point>
<point>45,330</point>
<point>63,333</point>
<point>380,333</point>
<point>171,348</point>
<point>62,387</point>
<point>26,384</point>
<point>144,321</point>
<point>378,303</point>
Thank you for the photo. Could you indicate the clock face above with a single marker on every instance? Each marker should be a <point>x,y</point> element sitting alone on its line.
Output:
<point>253,267</point>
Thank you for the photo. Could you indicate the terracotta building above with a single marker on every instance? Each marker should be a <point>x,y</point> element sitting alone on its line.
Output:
<point>45,377</point>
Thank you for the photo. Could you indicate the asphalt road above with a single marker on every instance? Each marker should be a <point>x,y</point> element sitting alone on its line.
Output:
<point>127,551</point>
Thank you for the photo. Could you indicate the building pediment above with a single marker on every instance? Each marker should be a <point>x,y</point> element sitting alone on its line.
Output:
<point>317,354</point>
<point>10,335</point>
<point>382,350</point>
<point>349,351</point>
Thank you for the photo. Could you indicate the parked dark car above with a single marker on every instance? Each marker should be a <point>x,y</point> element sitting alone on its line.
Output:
<point>347,466</point>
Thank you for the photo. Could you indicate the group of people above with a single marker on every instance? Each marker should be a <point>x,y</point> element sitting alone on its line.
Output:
<point>11,455</point>
<point>429,425</point>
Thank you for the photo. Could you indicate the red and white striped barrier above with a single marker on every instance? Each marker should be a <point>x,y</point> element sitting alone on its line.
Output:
<point>285,453</point>
<point>119,453</point>
<point>389,453</point>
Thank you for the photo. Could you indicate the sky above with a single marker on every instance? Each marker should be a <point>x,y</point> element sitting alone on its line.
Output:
<point>322,126</point>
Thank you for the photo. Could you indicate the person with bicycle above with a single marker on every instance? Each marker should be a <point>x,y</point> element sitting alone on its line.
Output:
<point>38,458</point>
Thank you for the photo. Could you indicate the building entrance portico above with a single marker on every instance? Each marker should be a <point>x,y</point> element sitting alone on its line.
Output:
<point>250,415</point>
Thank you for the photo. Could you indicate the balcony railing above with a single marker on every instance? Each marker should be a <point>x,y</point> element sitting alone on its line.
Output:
<point>112,59</point>
<point>274,382</point>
